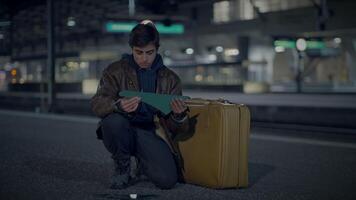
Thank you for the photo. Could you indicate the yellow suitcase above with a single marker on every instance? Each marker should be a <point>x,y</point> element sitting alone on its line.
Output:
<point>216,155</point>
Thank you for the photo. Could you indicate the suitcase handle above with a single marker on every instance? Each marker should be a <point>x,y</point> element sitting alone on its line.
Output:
<point>200,101</point>
<point>197,101</point>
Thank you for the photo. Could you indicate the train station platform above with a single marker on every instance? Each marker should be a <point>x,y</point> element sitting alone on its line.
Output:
<point>47,156</point>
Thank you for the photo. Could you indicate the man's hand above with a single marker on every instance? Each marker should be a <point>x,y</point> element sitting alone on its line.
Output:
<point>129,104</point>
<point>178,106</point>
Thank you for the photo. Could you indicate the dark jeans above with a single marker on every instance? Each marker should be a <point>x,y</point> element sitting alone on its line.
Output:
<point>120,137</point>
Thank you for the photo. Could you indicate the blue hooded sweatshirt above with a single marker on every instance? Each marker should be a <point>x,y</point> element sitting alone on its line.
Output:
<point>147,78</point>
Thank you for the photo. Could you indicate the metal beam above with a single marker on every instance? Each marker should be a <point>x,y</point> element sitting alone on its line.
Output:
<point>51,93</point>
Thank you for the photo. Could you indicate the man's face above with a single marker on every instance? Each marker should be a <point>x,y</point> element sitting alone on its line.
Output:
<point>144,56</point>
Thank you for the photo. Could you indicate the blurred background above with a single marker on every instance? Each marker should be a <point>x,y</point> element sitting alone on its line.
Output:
<point>290,61</point>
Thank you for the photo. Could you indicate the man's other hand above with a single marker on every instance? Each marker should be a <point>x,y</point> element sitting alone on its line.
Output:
<point>129,104</point>
<point>178,106</point>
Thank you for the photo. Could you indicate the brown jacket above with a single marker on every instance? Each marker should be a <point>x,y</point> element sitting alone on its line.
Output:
<point>120,76</point>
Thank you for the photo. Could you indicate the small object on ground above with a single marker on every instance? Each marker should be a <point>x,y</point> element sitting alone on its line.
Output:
<point>133,196</point>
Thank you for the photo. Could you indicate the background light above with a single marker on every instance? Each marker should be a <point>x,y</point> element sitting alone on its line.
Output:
<point>189,51</point>
<point>219,49</point>
<point>337,40</point>
<point>126,27</point>
<point>301,44</point>
<point>13,72</point>
<point>71,21</point>
<point>279,49</point>
<point>232,52</point>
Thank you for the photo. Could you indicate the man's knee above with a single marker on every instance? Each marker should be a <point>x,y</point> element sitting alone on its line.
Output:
<point>165,181</point>
<point>115,121</point>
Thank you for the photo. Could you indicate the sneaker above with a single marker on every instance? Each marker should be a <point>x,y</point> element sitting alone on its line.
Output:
<point>137,172</point>
<point>120,181</point>
<point>121,177</point>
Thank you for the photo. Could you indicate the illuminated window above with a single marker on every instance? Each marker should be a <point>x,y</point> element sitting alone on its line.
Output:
<point>244,10</point>
<point>277,5</point>
<point>222,12</point>
<point>227,11</point>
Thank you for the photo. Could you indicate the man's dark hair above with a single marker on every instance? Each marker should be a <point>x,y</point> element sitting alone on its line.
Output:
<point>144,34</point>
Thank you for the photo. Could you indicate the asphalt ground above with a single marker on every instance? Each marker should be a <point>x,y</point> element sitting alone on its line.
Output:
<point>58,157</point>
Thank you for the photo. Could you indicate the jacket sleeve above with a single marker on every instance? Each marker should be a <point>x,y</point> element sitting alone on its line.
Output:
<point>103,102</point>
<point>177,126</point>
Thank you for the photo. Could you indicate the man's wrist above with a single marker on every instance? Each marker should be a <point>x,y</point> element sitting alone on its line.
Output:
<point>117,106</point>
<point>179,118</point>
